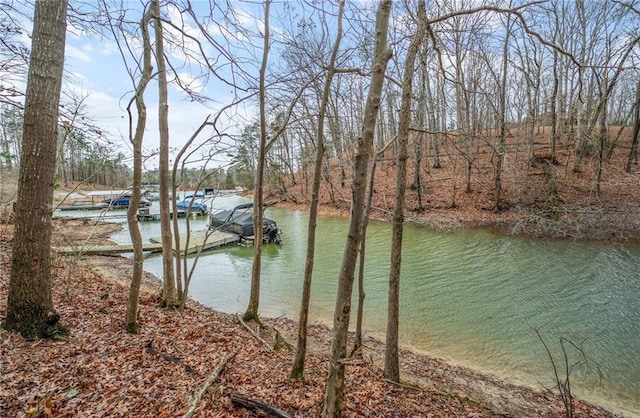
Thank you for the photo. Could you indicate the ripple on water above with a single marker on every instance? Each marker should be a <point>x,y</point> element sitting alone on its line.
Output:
<point>469,296</point>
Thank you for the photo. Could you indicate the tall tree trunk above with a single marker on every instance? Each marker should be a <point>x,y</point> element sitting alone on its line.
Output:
<point>418,140</point>
<point>357,343</point>
<point>603,133</point>
<point>633,154</point>
<point>131,320</point>
<point>334,390</point>
<point>552,112</point>
<point>433,124</point>
<point>298,363</point>
<point>463,134</point>
<point>502,139</point>
<point>30,308</point>
<point>169,285</point>
<point>391,360</point>
<point>254,297</point>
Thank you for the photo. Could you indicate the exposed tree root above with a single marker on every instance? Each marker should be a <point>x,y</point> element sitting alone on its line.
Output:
<point>255,334</point>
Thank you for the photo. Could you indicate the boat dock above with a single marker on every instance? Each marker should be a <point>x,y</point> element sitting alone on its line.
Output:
<point>84,206</point>
<point>198,240</point>
<point>105,249</point>
<point>145,216</point>
<point>203,240</point>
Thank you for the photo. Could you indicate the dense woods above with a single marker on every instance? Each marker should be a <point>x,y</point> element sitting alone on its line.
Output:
<point>523,116</point>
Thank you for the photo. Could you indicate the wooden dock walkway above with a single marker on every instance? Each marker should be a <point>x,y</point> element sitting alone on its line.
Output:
<point>197,239</point>
<point>105,249</point>
<point>196,242</point>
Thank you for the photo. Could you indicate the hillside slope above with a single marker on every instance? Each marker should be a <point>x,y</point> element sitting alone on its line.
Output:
<point>542,196</point>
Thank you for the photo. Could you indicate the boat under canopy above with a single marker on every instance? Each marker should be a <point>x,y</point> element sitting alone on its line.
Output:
<point>239,220</point>
<point>124,202</point>
<point>192,205</point>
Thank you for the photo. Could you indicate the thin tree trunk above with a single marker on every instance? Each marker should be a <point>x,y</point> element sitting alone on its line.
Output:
<point>30,308</point>
<point>334,390</point>
<point>301,348</point>
<point>554,97</point>
<point>633,154</point>
<point>502,140</point>
<point>418,140</point>
<point>357,343</point>
<point>169,285</point>
<point>433,124</point>
<point>182,274</point>
<point>391,359</point>
<point>603,135</point>
<point>131,320</point>
<point>254,297</point>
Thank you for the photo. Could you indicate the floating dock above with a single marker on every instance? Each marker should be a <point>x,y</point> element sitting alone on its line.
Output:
<point>198,241</point>
<point>203,240</point>
<point>105,249</point>
<point>84,206</point>
<point>155,217</point>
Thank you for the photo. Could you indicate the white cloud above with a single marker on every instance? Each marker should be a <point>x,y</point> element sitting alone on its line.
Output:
<point>77,53</point>
<point>109,48</point>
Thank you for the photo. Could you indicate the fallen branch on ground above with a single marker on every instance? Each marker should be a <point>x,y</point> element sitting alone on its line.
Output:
<point>253,405</point>
<point>212,378</point>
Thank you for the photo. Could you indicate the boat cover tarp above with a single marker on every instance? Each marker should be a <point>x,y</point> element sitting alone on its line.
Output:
<point>237,221</point>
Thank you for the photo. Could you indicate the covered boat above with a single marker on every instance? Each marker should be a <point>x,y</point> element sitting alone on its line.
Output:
<point>239,220</point>
<point>124,202</point>
<point>192,204</point>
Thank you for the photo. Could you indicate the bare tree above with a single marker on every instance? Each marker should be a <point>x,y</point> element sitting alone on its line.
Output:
<point>301,348</point>
<point>136,138</point>
<point>391,360</point>
<point>357,341</point>
<point>14,54</point>
<point>334,390</point>
<point>258,200</point>
<point>30,309</point>
<point>169,286</point>
<point>633,154</point>
<point>266,142</point>
<point>502,118</point>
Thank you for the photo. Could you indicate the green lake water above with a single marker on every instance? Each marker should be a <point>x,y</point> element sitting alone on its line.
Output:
<point>470,297</point>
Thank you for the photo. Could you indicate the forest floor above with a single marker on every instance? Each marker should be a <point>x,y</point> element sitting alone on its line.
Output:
<point>99,370</point>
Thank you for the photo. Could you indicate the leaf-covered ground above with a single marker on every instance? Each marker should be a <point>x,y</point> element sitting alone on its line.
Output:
<point>545,199</point>
<point>101,371</point>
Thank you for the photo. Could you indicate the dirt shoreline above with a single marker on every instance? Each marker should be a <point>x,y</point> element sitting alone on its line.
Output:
<point>499,396</point>
<point>482,394</point>
<point>591,226</point>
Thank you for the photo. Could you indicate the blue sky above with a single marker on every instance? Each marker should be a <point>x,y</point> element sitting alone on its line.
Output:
<point>95,69</point>
<point>96,72</point>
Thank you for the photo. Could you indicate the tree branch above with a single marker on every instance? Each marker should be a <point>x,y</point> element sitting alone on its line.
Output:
<point>212,378</point>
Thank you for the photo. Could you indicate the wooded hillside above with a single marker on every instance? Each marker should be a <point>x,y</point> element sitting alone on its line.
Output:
<point>542,195</point>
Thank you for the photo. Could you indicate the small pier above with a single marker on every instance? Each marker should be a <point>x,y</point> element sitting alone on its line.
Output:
<point>144,215</point>
<point>202,240</point>
<point>84,206</point>
<point>105,249</point>
<point>198,241</point>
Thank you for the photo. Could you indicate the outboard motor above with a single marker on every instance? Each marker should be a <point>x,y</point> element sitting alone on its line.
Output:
<point>271,234</point>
